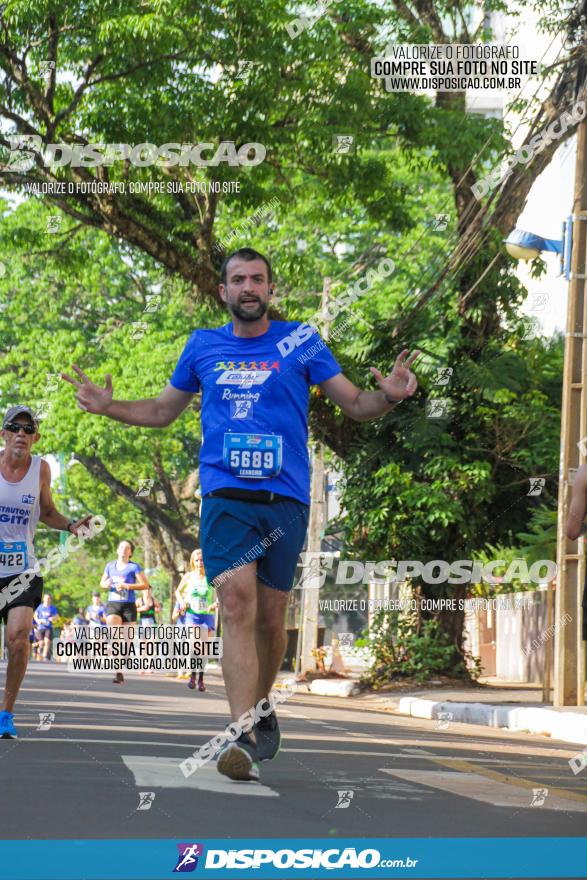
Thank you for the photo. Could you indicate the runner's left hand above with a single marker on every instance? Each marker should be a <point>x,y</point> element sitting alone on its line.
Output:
<point>80,524</point>
<point>401,382</point>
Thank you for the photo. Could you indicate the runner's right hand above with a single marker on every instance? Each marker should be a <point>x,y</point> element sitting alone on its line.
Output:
<point>91,397</point>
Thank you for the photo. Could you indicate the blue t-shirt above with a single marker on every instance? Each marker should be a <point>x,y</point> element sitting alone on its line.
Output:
<point>257,390</point>
<point>44,615</point>
<point>125,575</point>
<point>95,614</point>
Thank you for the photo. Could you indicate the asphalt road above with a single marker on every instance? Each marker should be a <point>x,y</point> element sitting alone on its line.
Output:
<point>81,777</point>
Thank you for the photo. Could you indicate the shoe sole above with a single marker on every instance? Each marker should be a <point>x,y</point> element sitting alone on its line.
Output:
<point>237,764</point>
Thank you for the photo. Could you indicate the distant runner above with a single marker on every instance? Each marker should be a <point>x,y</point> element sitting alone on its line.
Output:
<point>147,608</point>
<point>33,641</point>
<point>122,578</point>
<point>255,377</point>
<point>178,617</point>
<point>96,612</point>
<point>25,498</point>
<point>44,617</point>
<point>80,618</point>
<point>197,596</point>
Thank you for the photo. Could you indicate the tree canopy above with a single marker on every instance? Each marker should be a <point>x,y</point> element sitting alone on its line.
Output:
<point>117,279</point>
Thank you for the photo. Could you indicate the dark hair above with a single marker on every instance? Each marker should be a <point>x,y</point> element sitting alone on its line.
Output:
<point>248,254</point>
<point>127,541</point>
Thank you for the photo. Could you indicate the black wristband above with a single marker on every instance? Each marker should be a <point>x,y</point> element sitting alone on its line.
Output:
<point>69,525</point>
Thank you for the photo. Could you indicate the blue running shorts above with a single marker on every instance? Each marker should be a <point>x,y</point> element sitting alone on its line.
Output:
<point>192,619</point>
<point>234,533</point>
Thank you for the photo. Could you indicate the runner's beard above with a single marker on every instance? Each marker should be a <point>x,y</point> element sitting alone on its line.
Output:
<point>248,314</point>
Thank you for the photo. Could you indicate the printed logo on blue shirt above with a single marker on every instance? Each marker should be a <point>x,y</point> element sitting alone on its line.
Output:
<point>241,409</point>
<point>243,378</point>
<point>260,365</point>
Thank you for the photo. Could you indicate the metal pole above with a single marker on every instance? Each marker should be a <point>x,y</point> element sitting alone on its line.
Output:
<point>311,592</point>
<point>299,638</point>
<point>569,662</point>
<point>547,672</point>
<point>308,632</point>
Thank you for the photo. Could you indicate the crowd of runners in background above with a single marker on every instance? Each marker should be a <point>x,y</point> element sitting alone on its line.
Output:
<point>195,605</point>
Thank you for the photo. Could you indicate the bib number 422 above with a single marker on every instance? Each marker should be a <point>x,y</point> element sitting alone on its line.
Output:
<point>13,555</point>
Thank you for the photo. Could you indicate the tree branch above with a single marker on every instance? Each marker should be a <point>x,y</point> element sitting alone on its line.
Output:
<point>149,508</point>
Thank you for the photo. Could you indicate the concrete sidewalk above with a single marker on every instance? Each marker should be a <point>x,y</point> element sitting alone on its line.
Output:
<point>501,705</point>
<point>508,708</point>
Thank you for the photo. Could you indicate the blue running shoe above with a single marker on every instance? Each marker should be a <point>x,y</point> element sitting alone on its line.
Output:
<point>7,728</point>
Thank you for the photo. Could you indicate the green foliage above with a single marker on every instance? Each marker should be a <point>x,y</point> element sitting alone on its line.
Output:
<point>539,543</point>
<point>453,485</point>
<point>403,649</point>
<point>78,298</point>
<point>540,540</point>
<point>414,487</point>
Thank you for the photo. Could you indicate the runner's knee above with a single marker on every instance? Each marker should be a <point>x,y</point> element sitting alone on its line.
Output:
<point>271,609</point>
<point>237,605</point>
<point>270,624</point>
<point>18,640</point>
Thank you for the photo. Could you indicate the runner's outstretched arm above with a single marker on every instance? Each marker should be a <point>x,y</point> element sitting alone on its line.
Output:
<point>366,405</point>
<point>155,412</point>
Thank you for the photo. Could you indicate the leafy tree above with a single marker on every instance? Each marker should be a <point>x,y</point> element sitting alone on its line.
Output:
<point>79,297</point>
<point>132,72</point>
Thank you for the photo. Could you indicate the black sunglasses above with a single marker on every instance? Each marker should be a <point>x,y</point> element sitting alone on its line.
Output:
<point>14,428</point>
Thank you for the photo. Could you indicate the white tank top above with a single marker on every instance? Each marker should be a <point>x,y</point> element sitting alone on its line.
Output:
<point>19,515</point>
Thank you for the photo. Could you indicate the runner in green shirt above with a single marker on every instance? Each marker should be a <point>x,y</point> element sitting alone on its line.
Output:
<point>195,593</point>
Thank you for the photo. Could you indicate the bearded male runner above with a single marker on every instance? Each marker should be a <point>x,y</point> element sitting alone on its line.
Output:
<point>254,375</point>
<point>25,498</point>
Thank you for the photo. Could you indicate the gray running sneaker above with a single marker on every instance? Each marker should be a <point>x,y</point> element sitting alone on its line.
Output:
<point>268,737</point>
<point>238,760</point>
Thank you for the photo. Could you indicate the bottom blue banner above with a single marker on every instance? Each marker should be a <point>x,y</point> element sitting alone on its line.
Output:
<point>487,857</point>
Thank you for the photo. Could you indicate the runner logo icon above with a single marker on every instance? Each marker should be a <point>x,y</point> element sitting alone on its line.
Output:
<point>241,409</point>
<point>187,859</point>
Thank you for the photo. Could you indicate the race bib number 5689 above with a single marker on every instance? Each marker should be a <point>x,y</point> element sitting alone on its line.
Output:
<point>253,456</point>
